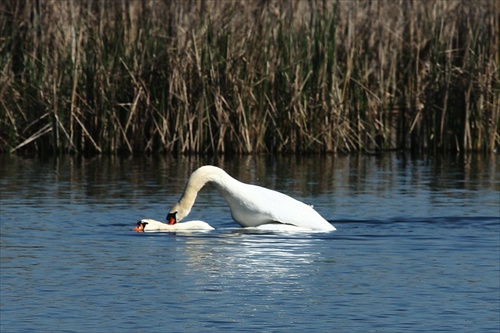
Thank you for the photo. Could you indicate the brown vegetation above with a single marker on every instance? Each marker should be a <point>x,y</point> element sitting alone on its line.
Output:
<point>249,76</point>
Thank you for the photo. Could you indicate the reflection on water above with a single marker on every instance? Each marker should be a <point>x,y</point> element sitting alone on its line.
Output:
<point>340,180</point>
<point>417,247</point>
<point>302,175</point>
<point>265,257</point>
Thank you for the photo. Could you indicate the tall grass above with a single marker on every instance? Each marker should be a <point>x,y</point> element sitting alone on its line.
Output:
<point>249,76</point>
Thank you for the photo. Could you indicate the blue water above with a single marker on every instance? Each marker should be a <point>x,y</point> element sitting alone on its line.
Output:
<point>417,248</point>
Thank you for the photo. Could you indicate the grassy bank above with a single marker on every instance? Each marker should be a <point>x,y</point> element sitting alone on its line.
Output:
<point>249,76</point>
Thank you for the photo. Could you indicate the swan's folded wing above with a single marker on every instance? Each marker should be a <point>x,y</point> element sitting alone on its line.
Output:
<point>301,215</point>
<point>258,205</point>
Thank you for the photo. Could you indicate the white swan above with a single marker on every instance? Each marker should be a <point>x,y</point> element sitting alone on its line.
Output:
<point>250,205</point>
<point>149,225</point>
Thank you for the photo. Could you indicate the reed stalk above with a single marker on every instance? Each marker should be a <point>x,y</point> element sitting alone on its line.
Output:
<point>249,76</point>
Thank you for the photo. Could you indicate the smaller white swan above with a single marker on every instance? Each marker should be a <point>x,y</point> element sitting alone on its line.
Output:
<point>250,205</point>
<point>149,225</point>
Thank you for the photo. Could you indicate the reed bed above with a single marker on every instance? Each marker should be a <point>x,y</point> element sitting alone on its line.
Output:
<point>248,77</point>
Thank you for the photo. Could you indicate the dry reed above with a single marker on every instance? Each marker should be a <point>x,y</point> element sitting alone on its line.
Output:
<point>249,76</point>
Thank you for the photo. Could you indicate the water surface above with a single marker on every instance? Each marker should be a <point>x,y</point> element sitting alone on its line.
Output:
<point>417,247</point>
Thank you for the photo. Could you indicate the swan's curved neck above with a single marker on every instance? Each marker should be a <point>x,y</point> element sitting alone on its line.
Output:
<point>198,179</point>
<point>194,185</point>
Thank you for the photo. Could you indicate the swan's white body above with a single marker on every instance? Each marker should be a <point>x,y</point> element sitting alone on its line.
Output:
<point>149,225</point>
<point>279,227</point>
<point>250,205</point>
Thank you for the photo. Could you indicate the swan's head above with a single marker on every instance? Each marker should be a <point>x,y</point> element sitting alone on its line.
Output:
<point>172,218</point>
<point>177,213</point>
<point>140,226</point>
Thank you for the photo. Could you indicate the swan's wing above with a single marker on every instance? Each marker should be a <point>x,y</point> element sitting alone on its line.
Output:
<point>254,205</point>
<point>297,213</point>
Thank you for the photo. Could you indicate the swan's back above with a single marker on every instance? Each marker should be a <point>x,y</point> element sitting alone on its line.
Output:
<point>253,205</point>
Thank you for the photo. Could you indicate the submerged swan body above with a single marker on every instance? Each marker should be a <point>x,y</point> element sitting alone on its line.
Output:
<point>250,205</point>
<point>149,225</point>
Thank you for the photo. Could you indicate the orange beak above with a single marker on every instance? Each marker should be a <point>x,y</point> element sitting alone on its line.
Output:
<point>171,220</point>
<point>138,228</point>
